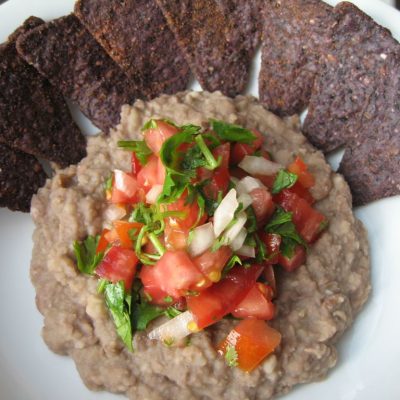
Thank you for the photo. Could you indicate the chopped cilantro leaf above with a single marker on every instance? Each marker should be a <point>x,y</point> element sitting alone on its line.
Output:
<point>168,299</point>
<point>230,264</point>
<point>119,304</point>
<point>261,250</point>
<point>150,124</point>
<point>169,341</point>
<point>231,132</point>
<point>250,241</point>
<point>279,217</point>
<point>231,356</point>
<point>172,312</point>
<point>283,180</point>
<point>251,223</point>
<point>193,159</point>
<point>139,147</point>
<point>281,223</point>
<point>218,243</point>
<point>86,256</point>
<point>144,313</point>
<point>108,183</point>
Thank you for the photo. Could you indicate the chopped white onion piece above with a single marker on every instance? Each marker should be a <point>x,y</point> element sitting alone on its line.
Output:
<point>203,238</point>
<point>238,242</point>
<point>247,251</point>
<point>224,213</point>
<point>173,330</point>
<point>125,183</point>
<point>231,233</point>
<point>153,193</point>
<point>247,184</point>
<point>259,166</point>
<point>245,199</point>
<point>114,212</point>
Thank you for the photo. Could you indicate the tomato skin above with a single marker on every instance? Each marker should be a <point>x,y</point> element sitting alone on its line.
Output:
<point>219,183</point>
<point>103,242</point>
<point>175,236</point>
<point>153,173</point>
<point>223,151</point>
<point>309,222</point>
<point>253,340</point>
<point>135,165</point>
<point>263,204</point>
<point>272,241</point>
<point>267,180</point>
<point>155,137</point>
<point>220,299</point>
<point>256,304</point>
<point>298,258</point>
<point>299,168</point>
<point>212,263</point>
<point>119,264</point>
<point>174,274</point>
<point>240,150</point>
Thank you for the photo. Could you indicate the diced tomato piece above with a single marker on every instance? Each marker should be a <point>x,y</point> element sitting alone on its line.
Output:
<point>219,178</point>
<point>119,264</point>
<point>269,275</point>
<point>125,189</point>
<point>262,204</point>
<point>153,173</point>
<point>309,222</point>
<point>267,180</point>
<point>298,258</point>
<point>253,340</point>
<point>301,191</point>
<point>155,137</point>
<point>123,228</point>
<point>175,236</point>
<point>135,164</point>
<point>240,150</point>
<point>272,241</point>
<point>174,274</point>
<point>238,173</point>
<point>154,294</point>
<point>177,227</point>
<point>219,183</point>
<point>256,304</point>
<point>103,242</point>
<point>223,151</point>
<point>211,263</point>
<point>190,213</point>
<point>222,298</point>
<point>299,168</point>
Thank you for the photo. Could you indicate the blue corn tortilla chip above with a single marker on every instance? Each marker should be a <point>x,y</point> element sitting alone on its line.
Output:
<point>135,34</point>
<point>65,53</point>
<point>34,116</point>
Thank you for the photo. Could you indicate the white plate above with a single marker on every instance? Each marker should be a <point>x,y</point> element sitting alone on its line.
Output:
<point>369,353</point>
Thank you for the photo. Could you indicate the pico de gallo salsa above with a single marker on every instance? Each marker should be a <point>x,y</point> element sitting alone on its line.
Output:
<point>194,232</point>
